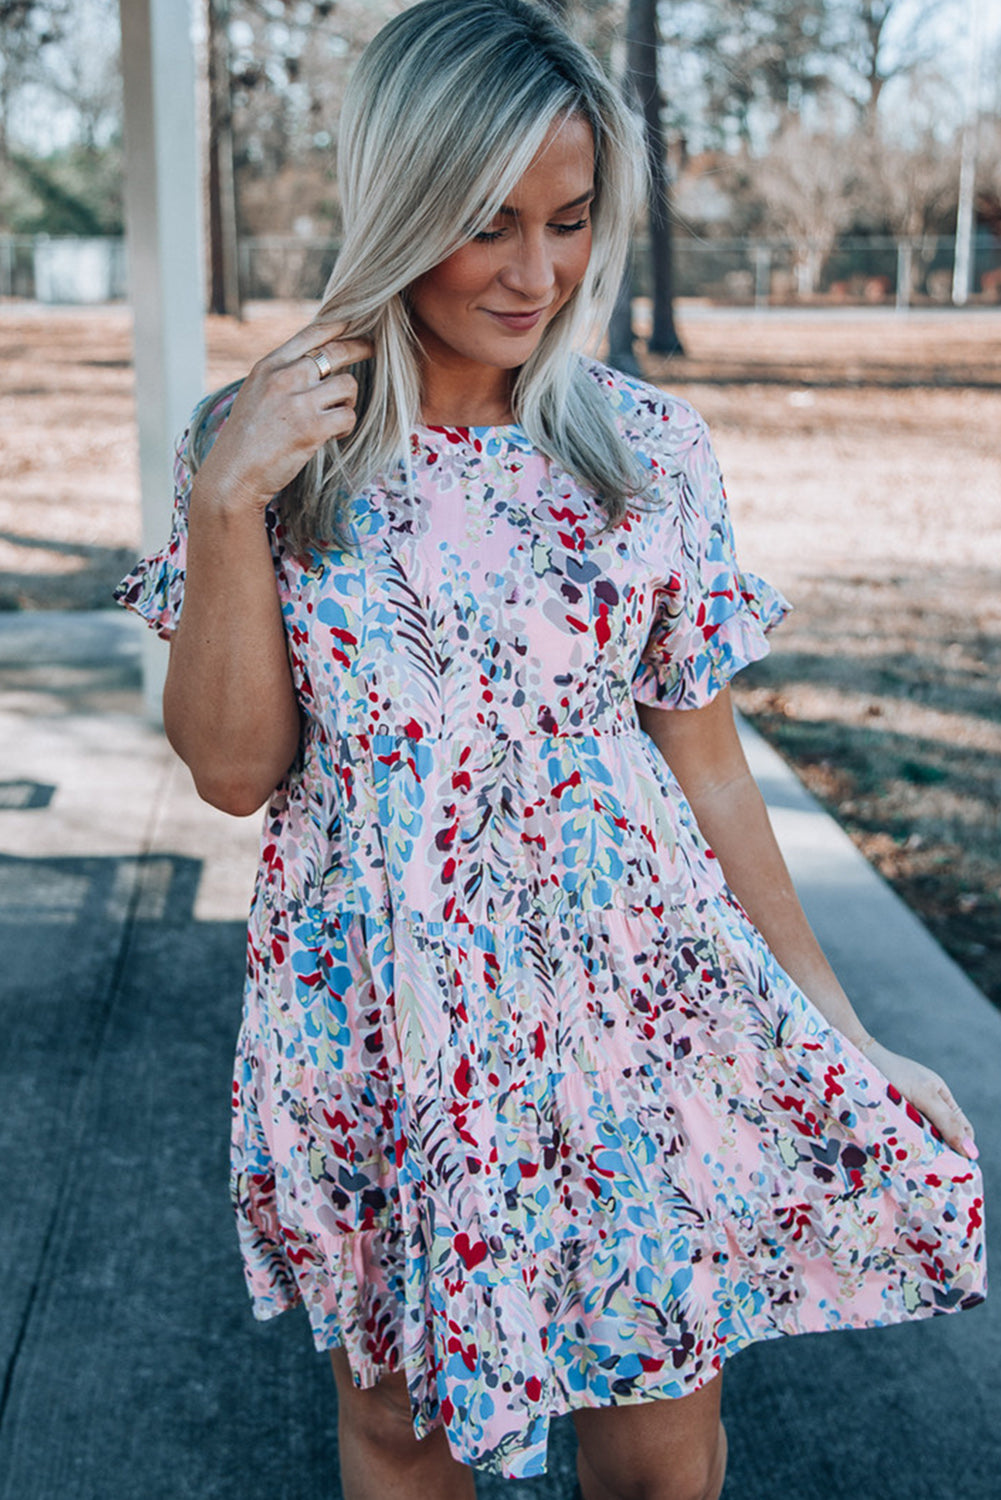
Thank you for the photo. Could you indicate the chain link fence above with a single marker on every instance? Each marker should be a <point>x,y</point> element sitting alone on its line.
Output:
<point>737,272</point>
<point>874,270</point>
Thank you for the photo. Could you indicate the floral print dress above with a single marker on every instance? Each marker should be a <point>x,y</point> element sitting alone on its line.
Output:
<point>523,1104</point>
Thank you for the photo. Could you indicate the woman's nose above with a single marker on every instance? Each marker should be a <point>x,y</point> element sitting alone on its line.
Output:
<point>529,269</point>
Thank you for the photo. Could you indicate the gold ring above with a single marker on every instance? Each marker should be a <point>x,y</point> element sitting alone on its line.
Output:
<point>321,362</point>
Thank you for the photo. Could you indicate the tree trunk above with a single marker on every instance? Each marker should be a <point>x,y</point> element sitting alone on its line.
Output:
<point>224,291</point>
<point>642,76</point>
<point>621,338</point>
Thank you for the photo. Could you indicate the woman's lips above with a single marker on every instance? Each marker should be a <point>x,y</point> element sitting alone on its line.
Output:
<point>518,322</point>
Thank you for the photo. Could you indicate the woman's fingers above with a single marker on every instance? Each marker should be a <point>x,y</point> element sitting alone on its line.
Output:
<point>325,334</point>
<point>319,331</point>
<point>956,1127</point>
<point>338,390</point>
<point>943,1115</point>
<point>936,1102</point>
<point>335,419</point>
<point>325,369</point>
<point>343,352</point>
<point>929,1093</point>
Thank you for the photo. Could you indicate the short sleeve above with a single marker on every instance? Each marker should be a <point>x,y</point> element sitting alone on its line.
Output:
<point>710,618</point>
<point>154,589</point>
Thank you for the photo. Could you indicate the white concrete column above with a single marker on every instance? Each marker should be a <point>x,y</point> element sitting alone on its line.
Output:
<point>163,209</point>
<point>962,268</point>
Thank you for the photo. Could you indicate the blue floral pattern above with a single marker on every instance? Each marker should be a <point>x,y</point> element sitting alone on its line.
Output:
<point>523,1104</point>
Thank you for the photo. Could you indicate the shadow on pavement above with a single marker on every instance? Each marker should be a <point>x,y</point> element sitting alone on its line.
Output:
<point>132,1366</point>
<point>133,1369</point>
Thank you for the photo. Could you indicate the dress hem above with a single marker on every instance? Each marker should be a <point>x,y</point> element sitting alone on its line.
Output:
<point>728,1351</point>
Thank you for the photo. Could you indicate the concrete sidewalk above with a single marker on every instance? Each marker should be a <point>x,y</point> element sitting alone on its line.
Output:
<point>133,1370</point>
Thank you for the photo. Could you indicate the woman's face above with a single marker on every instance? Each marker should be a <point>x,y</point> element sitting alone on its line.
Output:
<point>489,303</point>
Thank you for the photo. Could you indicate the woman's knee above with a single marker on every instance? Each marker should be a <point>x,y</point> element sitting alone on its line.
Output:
<point>380,1414</point>
<point>697,1474</point>
<point>658,1450</point>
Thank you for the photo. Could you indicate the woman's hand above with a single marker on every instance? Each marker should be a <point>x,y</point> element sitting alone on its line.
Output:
<point>927,1092</point>
<point>283,413</point>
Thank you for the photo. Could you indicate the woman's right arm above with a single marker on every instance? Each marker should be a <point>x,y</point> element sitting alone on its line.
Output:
<point>229,705</point>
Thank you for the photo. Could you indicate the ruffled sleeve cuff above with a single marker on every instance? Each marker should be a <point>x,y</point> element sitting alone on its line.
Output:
<point>154,590</point>
<point>692,654</point>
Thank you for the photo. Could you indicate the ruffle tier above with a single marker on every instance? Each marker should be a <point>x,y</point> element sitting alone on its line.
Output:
<point>538,1218</point>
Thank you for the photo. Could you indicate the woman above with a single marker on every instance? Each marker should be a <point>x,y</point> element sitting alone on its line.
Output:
<point>527,1111</point>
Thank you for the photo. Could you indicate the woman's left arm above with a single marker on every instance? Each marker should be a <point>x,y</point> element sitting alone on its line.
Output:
<point>702,748</point>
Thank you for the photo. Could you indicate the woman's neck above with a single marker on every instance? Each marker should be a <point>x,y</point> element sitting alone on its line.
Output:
<point>468,396</point>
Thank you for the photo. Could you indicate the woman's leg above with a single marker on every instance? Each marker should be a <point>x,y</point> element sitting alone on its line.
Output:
<point>380,1457</point>
<point>659,1450</point>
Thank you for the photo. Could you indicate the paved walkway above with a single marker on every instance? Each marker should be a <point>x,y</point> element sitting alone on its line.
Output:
<point>133,1370</point>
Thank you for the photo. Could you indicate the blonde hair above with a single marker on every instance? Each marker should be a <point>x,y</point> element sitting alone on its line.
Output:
<point>445,112</point>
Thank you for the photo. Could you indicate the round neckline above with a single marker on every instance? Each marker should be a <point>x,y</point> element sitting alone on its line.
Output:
<point>446,427</point>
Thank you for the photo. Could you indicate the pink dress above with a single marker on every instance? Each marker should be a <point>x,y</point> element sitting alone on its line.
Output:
<point>523,1103</point>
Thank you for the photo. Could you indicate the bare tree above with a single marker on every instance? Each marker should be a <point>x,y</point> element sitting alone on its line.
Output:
<point>28,28</point>
<point>290,66</point>
<point>52,73</point>
<point>87,78</point>
<point>912,191</point>
<point>859,41</point>
<point>809,190</point>
<point>755,62</point>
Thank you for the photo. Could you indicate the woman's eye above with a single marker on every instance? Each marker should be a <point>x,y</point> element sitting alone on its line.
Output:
<point>488,236</point>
